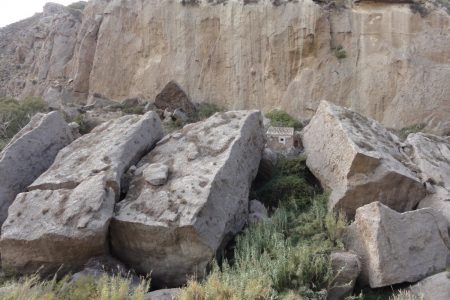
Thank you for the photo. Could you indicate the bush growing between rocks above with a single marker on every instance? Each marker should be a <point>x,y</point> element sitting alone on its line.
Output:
<point>285,256</point>
<point>14,115</point>
<point>404,132</point>
<point>86,288</point>
<point>279,118</point>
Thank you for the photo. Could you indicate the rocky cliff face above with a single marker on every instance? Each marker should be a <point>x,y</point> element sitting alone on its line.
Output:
<point>380,59</point>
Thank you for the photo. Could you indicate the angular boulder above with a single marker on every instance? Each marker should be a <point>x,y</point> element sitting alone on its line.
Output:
<point>431,154</point>
<point>174,230</point>
<point>173,97</point>
<point>398,247</point>
<point>346,268</point>
<point>63,220</point>
<point>29,154</point>
<point>359,161</point>
<point>439,200</point>
<point>433,288</point>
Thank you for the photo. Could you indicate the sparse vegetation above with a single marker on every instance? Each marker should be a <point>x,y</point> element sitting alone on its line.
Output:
<point>404,132</point>
<point>281,118</point>
<point>340,52</point>
<point>14,115</point>
<point>86,288</point>
<point>80,5</point>
<point>204,111</point>
<point>284,257</point>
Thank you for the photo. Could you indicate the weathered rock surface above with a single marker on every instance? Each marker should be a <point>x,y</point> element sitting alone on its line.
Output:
<point>431,154</point>
<point>166,294</point>
<point>439,200</point>
<point>64,218</point>
<point>433,288</point>
<point>174,230</point>
<point>346,268</point>
<point>29,154</point>
<point>239,56</point>
<point>172,97</point>
<point>398,247</point>
<point>359,161</point>
<point>257,212</point>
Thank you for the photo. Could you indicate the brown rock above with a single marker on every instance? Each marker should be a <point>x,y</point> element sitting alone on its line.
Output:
<point>173,97</point>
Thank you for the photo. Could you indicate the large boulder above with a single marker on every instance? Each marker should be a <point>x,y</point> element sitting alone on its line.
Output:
<point>63,220</point>
<point>431,154</point>
<point>29,154</point>
<point>439,200</point>
<point>346,268</point>
<point>173,97</point>
<point>398,247</point>
<point>433,288</point>
<point>173,230</point>
<point>359,161</point>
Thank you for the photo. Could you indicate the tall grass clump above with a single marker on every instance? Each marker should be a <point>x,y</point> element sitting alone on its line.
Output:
<point>280,118</point>
<point>86,288</point>
<point>14,115</point>
<point>283,257</point>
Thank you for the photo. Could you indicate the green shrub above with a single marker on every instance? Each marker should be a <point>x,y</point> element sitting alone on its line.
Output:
<point>89,288</point>
<point>204,111</point>
<point>279,118</point>
<point>340,52</point>
<point>404,132</point>
<point>14,115</point>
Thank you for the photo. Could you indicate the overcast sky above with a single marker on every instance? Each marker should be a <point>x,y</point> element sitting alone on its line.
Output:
<point>15,10</point>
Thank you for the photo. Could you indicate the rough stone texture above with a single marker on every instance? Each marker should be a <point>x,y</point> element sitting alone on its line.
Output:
<point>29,154</point>
<point>257,212</point>
<point>64,217</point>
<point>167,294</point>
<point>398,247</point>
<point>431,154</point>
<point>359,161</point>
<point>346,268</point>
<point>156,174</point>
<point>174,230</point>
<point>173,97</point>
<point>239,56</point>
<point>439,200</point>
<point>433,288</point>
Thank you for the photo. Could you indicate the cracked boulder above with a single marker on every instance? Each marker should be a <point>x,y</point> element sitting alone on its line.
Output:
<point>174,230</point>
<point>359,161</point>
<point>63,219</point>
<point>29,154</point>
<point>398,247</point>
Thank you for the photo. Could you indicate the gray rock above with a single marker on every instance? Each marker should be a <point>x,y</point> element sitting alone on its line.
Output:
<point>359,161</point>
<point>167,294</point>
<point>398,247</point>
<point>63,219</point>
<point>346,269</point>
<point>156,174</point>
<point>29,154</point>
<point>440,201</point>
<point>174,230</point>
<point>179,114</point>
<point>257,212</point>
<point>435,287</point>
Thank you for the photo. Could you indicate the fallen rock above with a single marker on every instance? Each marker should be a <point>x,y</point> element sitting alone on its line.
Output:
<point>166,294</point>
<point>172,97</point>
<point>174,230</point>
<point>359,161</point>
<point>63,220</point>
<point>346,268</point>
<point>398,247</point>
<point>257,212</point>
<point>440,201</point>
<point>29,154</point>
<point>433,288</point>
<point>156,174</point>
<point>431,154</point>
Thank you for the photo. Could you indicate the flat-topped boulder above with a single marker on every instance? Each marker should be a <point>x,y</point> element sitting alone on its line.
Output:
<point>398,247</point>
<point>433,288</point>
<point>29,154</point>
<point>359,161</point>
<point>173,230</point>
<point>63,219</point>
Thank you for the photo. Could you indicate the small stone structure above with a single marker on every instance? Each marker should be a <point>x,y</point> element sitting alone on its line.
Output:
<point>281,139</point>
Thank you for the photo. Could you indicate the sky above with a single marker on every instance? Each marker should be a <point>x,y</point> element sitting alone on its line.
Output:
<point>15,10</point>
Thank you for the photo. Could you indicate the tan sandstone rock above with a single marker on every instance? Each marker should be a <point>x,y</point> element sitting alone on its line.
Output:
<point>29,154</point>
<point>174,230</point>
<point>63,220</point>
<point>398,247</point>
<point>433,288</point>
<point>359,161</point>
